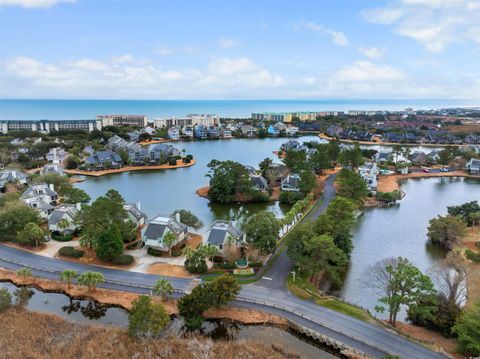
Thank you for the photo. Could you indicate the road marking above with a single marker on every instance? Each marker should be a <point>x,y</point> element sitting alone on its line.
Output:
<point>267,278</point>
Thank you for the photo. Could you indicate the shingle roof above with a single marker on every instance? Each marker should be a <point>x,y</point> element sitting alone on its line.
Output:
<point>155,231</point>
<point>220,229</point>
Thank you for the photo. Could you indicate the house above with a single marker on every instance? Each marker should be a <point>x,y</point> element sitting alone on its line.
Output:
<point>135,214</point>
<point>174,134</point>
<point>292,145</point>
<point>334,131</point>
<point>13,176</point>
<point>382,156</point>
<point>418,158</point>
<point>277,172</point>
<point>51,168</point>
<point>41,197</point>
<point>433,156</point>
<point>473,166</point>
<point>116,142</point>
<point>291,131</point>
<point>280,126</point>
<point>290,183</point>
<point>272,131</point>
<point>103,160</point>
<point>259,183</point>
<point>67,212</point>
<point>57,155</point>
<point>187,132</point>
<point>213,132</point>
<point>472,139</point>
<point>369,172</point>
<point>200,132</point>
<point>225,132</point>
<point>223,235</point>
<point>154,233</point>
<point>248,131</point>
<point>251,170</point>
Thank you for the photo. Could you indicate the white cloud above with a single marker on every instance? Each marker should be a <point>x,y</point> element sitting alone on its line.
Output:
<point>164,51</point>
<point>337,37</point>
<point>123,59</point>
<point>373,52</point>
<point>33,3</point>
<point>227,43</point>
<point>367,71</point>
<point>435,24</point>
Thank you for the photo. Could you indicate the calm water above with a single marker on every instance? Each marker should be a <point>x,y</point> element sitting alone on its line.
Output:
<point>80,109</point>
<point>401,231</point>
<point>162,192</point>
<point>85,311</point>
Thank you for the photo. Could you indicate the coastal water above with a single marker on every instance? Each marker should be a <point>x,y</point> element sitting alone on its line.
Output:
<point>87,109</point>
<point>89,312</point>
<point>401,230</point>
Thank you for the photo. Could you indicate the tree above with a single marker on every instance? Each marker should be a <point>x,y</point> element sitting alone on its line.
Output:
<point>189,219</point>
<point>468,330</point>
<point>68,276</point>
<point>72,162</point>
<point>474,218</point>
<point>319,161</point>
<point>446,231</point>
<point>308,181</point>
<point>341,210</point>
<point>63,224</point>
<point>75,195</point>
<point>401,284</point>
<point>109,244</point>
<point>262,231</point>
<point>14,217</point>
<point>169,239</point>
<point>91,280</point>
<point>389,197</point>
<point>464,211</point>
<point>146,317</point>
<point>32,234</point>
<point>265,166</point>
<point>290,197</point>
<point>163,288</point>
<point>5,300</point>
<point>226,179</point>
<point>352,186</point>
<point>352,157</point>
<point>23,272</point>
<point>296,161</point>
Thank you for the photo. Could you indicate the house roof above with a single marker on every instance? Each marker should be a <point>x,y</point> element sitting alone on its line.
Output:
<point>259,181</point>
<point>291,180</point>
<point>134,211</point>
<point>155,230</point>
<point>59,212</point>
<point>220,229</point>
<point>39,189</point>
<point>12,175</point>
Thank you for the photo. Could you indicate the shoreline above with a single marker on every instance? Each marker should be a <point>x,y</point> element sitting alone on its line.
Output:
<point>390,144</point>
<point>203,192</point>
<point>390,183</point>
<point>129,169</point>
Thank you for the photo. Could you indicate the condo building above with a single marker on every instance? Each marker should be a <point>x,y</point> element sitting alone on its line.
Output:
<point>189,120</point>
<point>47,126</point>
<point>123,120</point>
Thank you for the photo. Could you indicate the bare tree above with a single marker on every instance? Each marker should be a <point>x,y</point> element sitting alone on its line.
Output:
<point>450,278</point>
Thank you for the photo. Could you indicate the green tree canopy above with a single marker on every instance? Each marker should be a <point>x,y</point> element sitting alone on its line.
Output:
<point>308,182</point>
<point>446,231</point>
<point>262,231</point>
<point>109,244</point>
<point>468,330</point>
<point>226,179</point>
<point>91,280</point>
<point>296,161</point>
<point>147,317</point>
<point>14,216</point>
<point>189,219</point>
<point>352,186</point>
<point>464,211</point>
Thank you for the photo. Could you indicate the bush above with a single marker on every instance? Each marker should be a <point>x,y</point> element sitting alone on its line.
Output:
<point>61,238</point>
<point>176,252</point>
<point>226,265</point>
<point>199,268</point>
<point>69,251</point>
<point>473,256</point>
<point>172,161</point>
<point>255,264</point>
<point>259,196</point>
<point>290,197</point>
<point>124,259</point>
<point>186,160</point>
<point>5,300</point>
<point>154,252</point>
<point>189,157</point>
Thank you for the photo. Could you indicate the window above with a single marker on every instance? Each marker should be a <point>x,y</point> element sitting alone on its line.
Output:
<point>220,246</point>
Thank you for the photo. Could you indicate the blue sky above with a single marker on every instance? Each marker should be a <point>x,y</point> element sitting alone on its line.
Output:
<point>147,49</point>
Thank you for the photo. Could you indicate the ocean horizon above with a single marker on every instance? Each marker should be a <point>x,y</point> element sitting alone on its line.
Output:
<point>19,109</point>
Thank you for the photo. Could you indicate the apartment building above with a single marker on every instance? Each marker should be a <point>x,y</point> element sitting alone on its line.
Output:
<point>47,126</point>
<point>123,120</point>
<point>189,120</point>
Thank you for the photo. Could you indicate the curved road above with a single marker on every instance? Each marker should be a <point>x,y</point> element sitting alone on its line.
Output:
<point>267,295</point>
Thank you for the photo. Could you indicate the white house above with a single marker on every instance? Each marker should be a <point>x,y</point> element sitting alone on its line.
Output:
<point>291,131</point>
<point>66,212</point>
<point>369,173</point>
<point>41,197</point>
<point>473,166</point>
<point>57,155</point>
<point>187,131</point>
<point>290,183</point>
<point>13,176</point>
<point>135,214</point>
<point>174,134</point>
<point>154,233</point>
<point>52,168</point>
<point>223,235</point>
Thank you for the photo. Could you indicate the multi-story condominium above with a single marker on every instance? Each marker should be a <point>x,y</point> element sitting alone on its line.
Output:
<point>47,126</point>
<point>174,134</point>
<point>189,120</point>
<point>123,120</point>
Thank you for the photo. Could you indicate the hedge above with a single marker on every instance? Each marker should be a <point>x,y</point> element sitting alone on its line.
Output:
<point>255,264</point>
<point>154,252</point>
<point>226,265</point>
<point>473,256</point>
<point>124,259</point>
<point>61,238</point>
<point>69,251</point>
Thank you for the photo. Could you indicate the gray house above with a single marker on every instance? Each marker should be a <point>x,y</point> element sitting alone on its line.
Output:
<point>135,214</point>
<point>67,212</point>
<point>154,233</point>
<point>102,160</point>
<point>224,236</point>
<point>290,183</point>
<point>473,166</point>
<point>259,183</point>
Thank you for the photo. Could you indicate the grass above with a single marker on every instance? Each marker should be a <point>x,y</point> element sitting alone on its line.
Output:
<point>344,308</point>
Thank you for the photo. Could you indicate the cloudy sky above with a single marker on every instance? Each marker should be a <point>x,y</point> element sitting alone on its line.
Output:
<point>156,49</point>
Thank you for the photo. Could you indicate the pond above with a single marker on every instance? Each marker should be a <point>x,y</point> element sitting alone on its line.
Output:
<point>162,192</point>
<point>91,312</point>
<point>401,230</point>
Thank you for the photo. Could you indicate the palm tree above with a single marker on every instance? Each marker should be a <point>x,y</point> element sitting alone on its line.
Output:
<point>91,280</point>
<point>24,272</point>
<point>32,233</point>
<point>163,288</point>
<point>169,239</point>
<point>63,224</point>
<point>68,276</point>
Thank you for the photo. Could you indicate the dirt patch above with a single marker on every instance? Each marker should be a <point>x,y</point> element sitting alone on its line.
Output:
<point>203,191</point>
<point>75,179</point>
<point>90,258</point>
<point>41,336</point>
<point>169,270</point>
<point>246,316</point>
<point>179,164</point>
<point>430,337</point>
<point>153,142</point>
<point>378,141</point>
<point>473,269</point>
<point>194,240</point>
<point>465,127</point>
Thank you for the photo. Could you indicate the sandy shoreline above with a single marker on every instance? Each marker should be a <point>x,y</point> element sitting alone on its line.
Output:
<point>130,168</point>
<point>380,143</point>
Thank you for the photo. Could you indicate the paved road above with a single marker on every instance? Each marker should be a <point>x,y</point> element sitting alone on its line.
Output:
<point>267,295</point>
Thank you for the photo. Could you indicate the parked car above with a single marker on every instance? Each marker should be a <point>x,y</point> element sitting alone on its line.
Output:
<point>426,170</point>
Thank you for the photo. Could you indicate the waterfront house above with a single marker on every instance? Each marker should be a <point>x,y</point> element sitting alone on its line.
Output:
<point>213,132</point>
<point>473,166</point>
<point>272,131</point>
<point>291,131</point>
<point>226,237</point>
<point>116,142</point>
<point>174,134</point>
<point>156,229</point>
<point>290,183</point>
<point>258,182</point>
<point>134,135</point>
<point>334,131</point>
<point>9,176</point>
<point>135,215</point>
<point>248,131</point>
<point>187,132</point>
<point>418,158</point>
<point>369,172</point>
<point>51,168</point>
<point>472,139</point>
<point>292,145</point>
<point>382,156</point>
<point>102,160</point>
<point>225,132</point>
<point>433,156</point>
<point>67,212</point>
<point>57,155</point>
<point>41,197</point>
<point>200,132</point>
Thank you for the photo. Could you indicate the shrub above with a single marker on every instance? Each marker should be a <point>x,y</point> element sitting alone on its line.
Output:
<point>5,300</point>
<point>154,252</point>
<point>259,196</point>
<point>255,264</point>
<point>290,197</point>
<point>198,267</point>
<point>69,251</point>
<point>176,252</point>
<point>473,256</point>
<point>186,160</point>
<point>61,238</point>
<point>227,265</point>
<point>189,157</point>
<point>124,259</point>
<point>172,161</point>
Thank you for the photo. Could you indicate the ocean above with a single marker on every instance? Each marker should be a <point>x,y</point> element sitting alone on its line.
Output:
<point>88,109</point>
